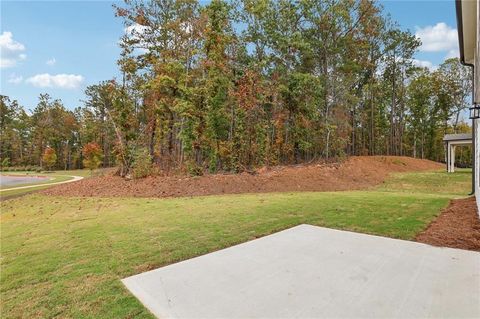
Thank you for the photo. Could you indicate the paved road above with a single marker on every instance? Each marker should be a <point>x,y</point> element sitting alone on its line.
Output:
<point>74,179</point>
<point>12,180</point>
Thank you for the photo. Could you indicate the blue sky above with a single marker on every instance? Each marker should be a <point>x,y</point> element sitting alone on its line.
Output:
<point>60,47</point>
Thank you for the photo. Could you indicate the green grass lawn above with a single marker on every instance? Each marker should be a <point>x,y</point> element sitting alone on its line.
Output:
<point>440,183</point>
<point>64,257</point>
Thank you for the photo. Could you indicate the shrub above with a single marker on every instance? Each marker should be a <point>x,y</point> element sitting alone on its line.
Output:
<point>142,165</point>
<point>194,169</point>
<point>92,154</point>
<point>5,162</point>
<point>49,158</point>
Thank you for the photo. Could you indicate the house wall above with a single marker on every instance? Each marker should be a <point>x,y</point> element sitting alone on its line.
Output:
<point>476,100</point>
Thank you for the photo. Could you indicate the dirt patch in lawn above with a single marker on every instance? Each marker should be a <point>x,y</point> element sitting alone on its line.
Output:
<point>458,226</point>
<point>354,173</point>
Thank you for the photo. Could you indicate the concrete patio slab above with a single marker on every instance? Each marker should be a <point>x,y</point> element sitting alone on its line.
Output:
<point>314,272</point>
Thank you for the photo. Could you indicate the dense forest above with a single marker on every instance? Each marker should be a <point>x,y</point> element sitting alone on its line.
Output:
<point>234,85</point>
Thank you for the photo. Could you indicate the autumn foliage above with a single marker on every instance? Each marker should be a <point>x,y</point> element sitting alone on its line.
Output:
<point>231,85</point>
<point>49,158</point>
<point>92,155</point>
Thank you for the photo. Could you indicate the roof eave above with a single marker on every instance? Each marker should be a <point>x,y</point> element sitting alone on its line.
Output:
<point>458,8</point>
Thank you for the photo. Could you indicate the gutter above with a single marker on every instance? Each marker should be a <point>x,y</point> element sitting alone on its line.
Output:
<point>458,9</point>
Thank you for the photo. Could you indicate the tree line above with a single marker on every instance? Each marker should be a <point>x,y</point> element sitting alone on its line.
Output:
<point>233,85</point>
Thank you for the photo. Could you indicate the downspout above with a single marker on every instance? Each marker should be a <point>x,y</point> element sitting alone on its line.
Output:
<point>458,9</point>
<point>473,132</point>
<point>473,157</point>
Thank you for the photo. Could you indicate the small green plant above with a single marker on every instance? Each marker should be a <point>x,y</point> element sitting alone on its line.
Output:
<point>399,162</point>
<point>194,169</point>
<point>142,165</point>
<point>5,162</point>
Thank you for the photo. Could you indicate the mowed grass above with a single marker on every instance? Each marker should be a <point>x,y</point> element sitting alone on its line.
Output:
<point>440,183</point>
<point>64,257</point>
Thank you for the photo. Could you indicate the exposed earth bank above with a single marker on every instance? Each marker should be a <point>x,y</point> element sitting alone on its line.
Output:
<point>355,173</point>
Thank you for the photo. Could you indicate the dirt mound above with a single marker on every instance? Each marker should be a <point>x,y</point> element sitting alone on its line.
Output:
<point>458,226</point>
<point>355,173</point>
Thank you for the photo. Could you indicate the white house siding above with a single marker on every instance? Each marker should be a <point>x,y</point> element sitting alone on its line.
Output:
<point>476,97</point>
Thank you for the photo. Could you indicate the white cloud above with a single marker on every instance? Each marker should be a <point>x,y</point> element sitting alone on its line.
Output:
<point>15,79</point>
<point>63,81</point>
<point>452,54</point>
<point>135,30</point>
<point>7,42</point>
<point>7,63</point>
<point>11,51</point>
<point>437,38</point>
<point>424,64</point>
<point>51,62</point>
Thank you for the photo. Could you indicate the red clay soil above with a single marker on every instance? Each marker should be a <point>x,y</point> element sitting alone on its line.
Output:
<point>355,173</point>
<point>458,226</point>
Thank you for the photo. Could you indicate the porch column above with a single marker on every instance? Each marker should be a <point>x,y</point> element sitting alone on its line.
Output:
<point>453,158</point>
<point>449,157</point>
<point>447,154</point>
